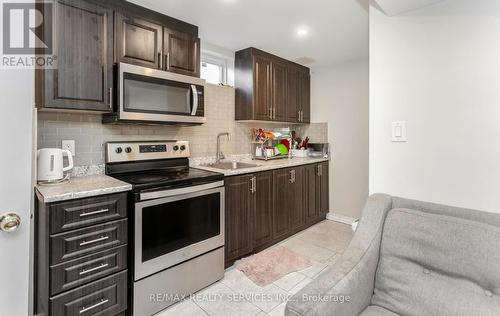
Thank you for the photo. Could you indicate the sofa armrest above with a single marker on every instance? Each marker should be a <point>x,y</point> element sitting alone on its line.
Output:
<point>346,287</point>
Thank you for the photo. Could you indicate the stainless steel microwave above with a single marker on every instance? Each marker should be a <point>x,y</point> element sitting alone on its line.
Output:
<point>151,96</point>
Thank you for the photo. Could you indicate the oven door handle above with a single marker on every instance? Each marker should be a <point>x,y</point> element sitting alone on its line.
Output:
<point>166,193</point>
<point>195,100</point>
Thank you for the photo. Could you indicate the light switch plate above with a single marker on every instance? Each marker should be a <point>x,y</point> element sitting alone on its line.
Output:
<point>69,145</point>
<point>399,131</point>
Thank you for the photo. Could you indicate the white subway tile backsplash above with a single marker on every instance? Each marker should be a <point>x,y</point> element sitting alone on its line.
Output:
<point>90,135</point>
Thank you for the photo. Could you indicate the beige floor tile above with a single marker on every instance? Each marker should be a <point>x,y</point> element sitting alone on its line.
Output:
<point>290,280</point>
<point>314,270</point>
<point>266,298</point>
<point>278,311</point>
<point>219,300</point>
<point>300,286</point>
<point>309,250</point>
<point>184,308</point>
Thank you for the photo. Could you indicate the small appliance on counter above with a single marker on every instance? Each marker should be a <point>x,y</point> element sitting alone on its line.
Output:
<point>318,150</point>
<point>50,163</point>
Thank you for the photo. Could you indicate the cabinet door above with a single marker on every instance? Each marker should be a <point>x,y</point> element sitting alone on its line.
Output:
<point>279,91</point>
<point>138,42</point>
<point>263,229</point>
<point>310,192</point>
<point>182,53</point>
<point>305,97</point>
<point>281,211</point>
<point>293,93</point>
<point>84,48</point>
<point>296,199</point>
<point>262,88</point>
<point>240,202</point>
<point>323,191</point>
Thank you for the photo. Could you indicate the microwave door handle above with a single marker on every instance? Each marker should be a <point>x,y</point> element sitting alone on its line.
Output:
<point>195,100</point>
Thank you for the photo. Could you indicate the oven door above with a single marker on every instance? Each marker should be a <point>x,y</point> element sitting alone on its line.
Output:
<point>173,229</point>
<point>158,96</point>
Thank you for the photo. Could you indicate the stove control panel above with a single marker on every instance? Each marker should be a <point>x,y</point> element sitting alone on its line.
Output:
<point>137,151</point>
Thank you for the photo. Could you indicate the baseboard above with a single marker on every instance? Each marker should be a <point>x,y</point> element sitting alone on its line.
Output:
<point>341,218</point>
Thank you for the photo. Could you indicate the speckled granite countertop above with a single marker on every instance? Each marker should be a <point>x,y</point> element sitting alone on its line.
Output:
<point>263,165</point>
<point>81,187</point>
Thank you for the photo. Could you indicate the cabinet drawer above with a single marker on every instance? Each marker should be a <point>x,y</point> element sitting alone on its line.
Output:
<point>85,212</point>
<point>107,296</point>
<point>77,272</point>
<point>86,241</point>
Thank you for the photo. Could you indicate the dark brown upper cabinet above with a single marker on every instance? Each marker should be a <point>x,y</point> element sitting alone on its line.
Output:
<point>270,88</point>
<point>182,52</point>
<point>305,97</point>
<point>154,45</point>
<point>262,90</point>
<point>83,44</point>
<point>138,41</point>
<point>279,90</point>
<point>90,36</point>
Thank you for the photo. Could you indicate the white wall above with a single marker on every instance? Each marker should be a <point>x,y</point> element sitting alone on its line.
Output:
<point>339,96</point>
<point>438,69</point>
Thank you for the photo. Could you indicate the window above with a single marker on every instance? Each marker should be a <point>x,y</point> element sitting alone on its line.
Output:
<point>213,69</point>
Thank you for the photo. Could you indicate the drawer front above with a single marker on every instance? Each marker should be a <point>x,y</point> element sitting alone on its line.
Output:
<point>86,241</point>
<point>107,296</point>
<point>66,216</point>
<point>77,272</point>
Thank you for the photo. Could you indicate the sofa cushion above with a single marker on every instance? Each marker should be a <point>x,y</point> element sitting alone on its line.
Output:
<point>373,310</point>
<point>438,265</point>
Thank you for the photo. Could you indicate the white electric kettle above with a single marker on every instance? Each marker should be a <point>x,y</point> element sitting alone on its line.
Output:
<point>51,164</point>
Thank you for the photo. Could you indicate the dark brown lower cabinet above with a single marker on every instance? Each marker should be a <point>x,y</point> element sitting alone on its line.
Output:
<point>267,207</point>
<point>263,213</point>
<point>323,190</point>
<point>81,256</point>
<point>311,194</point>
<point>281,211</point>
<point>240,204</point>
<point>295,202</point>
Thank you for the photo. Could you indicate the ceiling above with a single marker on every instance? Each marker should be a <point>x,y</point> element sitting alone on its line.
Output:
<point>394,7</point>
<point>337,30</point>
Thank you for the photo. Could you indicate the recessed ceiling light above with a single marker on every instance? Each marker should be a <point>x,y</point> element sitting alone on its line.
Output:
<point>302,31</point>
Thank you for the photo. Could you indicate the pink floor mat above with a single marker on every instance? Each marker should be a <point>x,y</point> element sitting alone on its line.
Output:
<point>272,264</point>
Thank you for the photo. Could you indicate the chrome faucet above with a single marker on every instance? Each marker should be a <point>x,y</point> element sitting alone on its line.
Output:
<point>220,155</point>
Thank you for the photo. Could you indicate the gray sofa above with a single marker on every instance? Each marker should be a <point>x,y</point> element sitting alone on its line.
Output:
<point>411,258</point>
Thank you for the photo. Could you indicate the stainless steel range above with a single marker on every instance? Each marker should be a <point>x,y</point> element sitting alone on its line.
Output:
<point>177,216</point>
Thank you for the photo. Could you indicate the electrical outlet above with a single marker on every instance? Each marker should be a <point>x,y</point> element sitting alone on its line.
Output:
<point>69,145</point>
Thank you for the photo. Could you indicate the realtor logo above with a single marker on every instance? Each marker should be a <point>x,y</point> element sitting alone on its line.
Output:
<point>27,40</point>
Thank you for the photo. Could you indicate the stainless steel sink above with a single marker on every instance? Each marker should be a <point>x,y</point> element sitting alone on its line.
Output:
<point>232,165</point>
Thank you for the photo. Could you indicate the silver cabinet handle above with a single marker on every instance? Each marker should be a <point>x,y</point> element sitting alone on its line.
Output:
<point>253,185</point>
<point>110,98</point>
<point>320,170</point>
<point>85,243</point>
<point>9,222</point>
<point>292,176</point>
<point>86,309</point>
<point>102,266</point>
<point>105,210</point>
<point>270,113</point>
